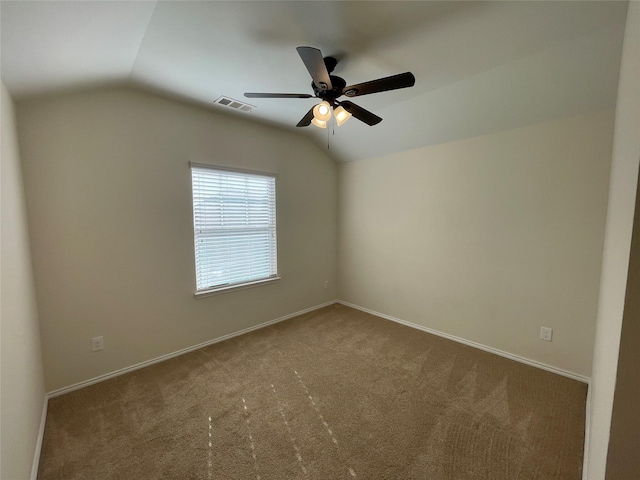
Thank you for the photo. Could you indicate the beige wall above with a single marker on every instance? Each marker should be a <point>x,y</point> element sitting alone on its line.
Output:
<point>22,382</point>
<point>109,200</point>
<point>487,238</point>
<point>615,260</point>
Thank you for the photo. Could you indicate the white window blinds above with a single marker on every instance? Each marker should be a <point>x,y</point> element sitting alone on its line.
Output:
<point>234,216</point>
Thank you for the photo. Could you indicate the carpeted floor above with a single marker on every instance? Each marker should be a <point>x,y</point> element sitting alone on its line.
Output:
<point>333,394</point>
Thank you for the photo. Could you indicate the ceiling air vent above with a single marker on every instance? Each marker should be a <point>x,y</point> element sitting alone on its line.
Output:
<point>235,104</point>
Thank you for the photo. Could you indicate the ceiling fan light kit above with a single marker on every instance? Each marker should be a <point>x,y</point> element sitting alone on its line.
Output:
<point>329,88</point>
<point>322,114</point>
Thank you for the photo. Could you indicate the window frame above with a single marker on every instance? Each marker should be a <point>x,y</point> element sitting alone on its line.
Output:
<point>225,288</point>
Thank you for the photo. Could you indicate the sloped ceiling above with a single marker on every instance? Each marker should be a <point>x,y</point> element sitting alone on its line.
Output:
<point>480,67</point>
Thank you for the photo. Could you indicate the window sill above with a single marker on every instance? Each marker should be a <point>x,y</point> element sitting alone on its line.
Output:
<point>233,288</point>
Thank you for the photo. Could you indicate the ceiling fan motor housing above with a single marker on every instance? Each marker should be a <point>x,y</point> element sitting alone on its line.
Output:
<point>338,85</point>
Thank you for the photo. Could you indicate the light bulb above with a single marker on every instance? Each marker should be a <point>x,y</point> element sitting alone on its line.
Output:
<point>341,115</point>
<point>322,111</point>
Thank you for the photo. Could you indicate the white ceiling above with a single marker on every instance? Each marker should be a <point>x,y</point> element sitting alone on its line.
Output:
<point>480,67</point>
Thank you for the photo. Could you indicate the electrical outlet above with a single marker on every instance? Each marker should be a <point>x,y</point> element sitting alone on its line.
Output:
<point>546,333</point>
<point>326,284</point>
<point>97,343</point>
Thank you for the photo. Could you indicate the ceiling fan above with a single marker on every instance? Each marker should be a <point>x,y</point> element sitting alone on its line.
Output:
<point>329,88</point>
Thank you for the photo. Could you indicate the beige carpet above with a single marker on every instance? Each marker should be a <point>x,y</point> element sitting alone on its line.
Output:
<point>333,394</point>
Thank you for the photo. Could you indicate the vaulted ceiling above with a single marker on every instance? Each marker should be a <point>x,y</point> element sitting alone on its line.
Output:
<point>480,67</point>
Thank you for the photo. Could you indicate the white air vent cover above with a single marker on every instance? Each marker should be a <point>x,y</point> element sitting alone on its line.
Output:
<point>235,104</point>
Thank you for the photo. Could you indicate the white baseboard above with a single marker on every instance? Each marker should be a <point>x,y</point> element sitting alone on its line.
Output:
<point>508,355</point>
<point>122,371</point>
<point>36,454</point>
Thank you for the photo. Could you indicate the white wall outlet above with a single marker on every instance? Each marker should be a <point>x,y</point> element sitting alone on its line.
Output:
<point>546,333</point>
<point>326,284</point>
<point>97,343</point>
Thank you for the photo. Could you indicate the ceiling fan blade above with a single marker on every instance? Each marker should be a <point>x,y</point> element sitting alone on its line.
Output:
<point>360,113</point>
<point>313,60</point>
<point>394,82</point>
<point>306,120</point>
<point>278,95</point>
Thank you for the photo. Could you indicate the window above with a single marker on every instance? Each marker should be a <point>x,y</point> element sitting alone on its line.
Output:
<point>234,217</point>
